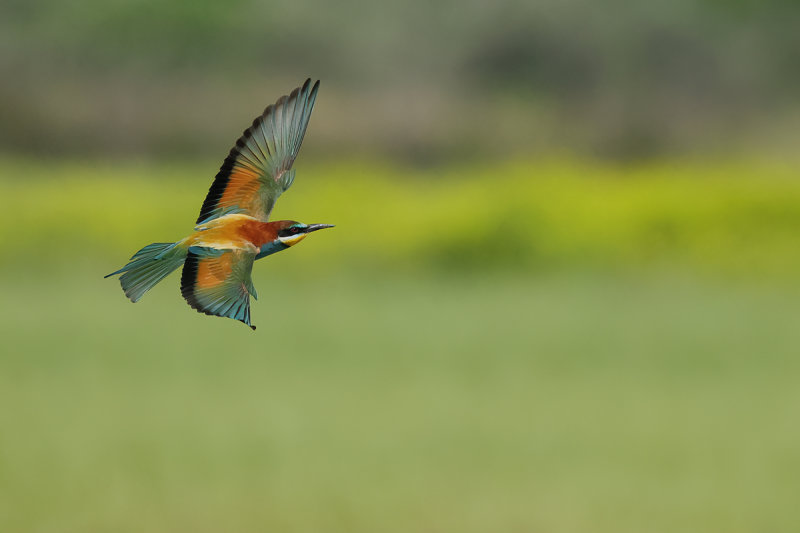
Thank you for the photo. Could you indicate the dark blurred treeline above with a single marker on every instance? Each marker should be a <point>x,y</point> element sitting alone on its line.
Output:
<point>415,79</point>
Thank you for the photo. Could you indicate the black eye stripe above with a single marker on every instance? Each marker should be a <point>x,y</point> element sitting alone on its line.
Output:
<point>294,230</point>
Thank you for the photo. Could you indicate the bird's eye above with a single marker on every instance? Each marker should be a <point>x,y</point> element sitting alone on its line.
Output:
<point>296,230</point>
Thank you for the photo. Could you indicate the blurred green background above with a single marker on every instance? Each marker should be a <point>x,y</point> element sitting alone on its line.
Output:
<point>561,296</point>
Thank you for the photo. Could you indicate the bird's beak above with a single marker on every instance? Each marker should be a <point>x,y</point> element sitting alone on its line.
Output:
<point>315,227</point>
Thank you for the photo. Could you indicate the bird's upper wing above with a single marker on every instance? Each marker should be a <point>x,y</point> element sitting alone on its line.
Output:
<point>217,282</point>
<point>259,168</point>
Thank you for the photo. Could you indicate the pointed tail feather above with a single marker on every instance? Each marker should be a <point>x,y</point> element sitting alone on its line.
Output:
<point>148,266</point>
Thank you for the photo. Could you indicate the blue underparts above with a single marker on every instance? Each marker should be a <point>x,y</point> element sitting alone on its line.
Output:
<point>271,248</point>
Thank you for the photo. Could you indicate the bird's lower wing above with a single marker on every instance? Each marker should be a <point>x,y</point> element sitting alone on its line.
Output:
<point>218,283</point>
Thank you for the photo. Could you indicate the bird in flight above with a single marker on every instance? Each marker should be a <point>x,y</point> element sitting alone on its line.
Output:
<point>233,230</point>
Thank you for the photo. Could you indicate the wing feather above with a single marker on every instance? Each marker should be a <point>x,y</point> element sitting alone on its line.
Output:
<point>258,169</point>
<point>218,282</point>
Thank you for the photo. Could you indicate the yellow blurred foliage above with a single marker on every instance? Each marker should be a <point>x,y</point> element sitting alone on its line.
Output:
<point>721,218</point>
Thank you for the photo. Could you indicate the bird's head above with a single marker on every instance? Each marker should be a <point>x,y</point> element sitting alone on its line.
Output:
<point>291,232</point>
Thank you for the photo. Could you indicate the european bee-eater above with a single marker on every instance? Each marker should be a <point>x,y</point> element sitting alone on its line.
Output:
<point>233,230</point>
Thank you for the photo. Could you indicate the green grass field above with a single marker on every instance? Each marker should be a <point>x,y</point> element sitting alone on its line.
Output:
<point>558,404</point>
<point>622,387</point>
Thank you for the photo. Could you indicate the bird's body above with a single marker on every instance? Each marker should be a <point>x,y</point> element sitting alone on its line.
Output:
<point>235,232</point>
<point>233,229</point>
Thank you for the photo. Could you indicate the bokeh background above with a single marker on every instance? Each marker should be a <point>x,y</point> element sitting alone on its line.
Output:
<point>561,296</point>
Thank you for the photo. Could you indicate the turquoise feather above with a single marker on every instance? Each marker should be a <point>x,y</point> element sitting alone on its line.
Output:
<point>148,266</point>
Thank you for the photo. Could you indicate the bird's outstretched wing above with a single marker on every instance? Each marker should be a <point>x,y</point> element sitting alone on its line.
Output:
<point>217,282</point>
<point>259,168</point>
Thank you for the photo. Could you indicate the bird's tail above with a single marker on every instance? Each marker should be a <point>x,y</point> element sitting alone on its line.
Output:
<point>148,266</point>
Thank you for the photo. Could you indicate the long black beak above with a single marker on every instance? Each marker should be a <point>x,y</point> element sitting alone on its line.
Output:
<point>315,227</point>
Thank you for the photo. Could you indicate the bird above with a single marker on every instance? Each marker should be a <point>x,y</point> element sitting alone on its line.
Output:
<point>233,229</point>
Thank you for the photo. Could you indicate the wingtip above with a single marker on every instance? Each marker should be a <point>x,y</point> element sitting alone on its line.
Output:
<point>307,88</point>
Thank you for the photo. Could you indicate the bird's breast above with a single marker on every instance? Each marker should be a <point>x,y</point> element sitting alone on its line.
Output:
<point>270,248</point>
